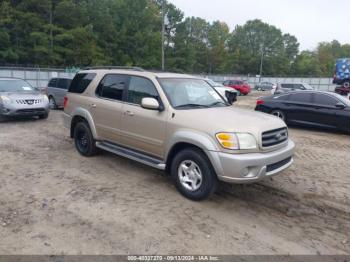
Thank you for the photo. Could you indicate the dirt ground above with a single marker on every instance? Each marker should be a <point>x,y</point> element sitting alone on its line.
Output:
<point>53,201</point>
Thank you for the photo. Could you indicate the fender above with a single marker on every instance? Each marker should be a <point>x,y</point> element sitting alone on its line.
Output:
<point>82,112</point>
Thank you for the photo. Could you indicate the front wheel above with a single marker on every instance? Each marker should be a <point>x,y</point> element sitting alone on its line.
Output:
<point>193,174</point>
<point>52,103</point>
<point>44,116</point>
<point>280,114</point>
<point>346,83</point>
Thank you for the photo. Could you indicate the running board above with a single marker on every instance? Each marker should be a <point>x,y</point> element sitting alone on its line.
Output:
<point>131,154</point>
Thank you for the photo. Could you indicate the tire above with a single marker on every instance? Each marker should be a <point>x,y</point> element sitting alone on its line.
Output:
<point>280,114</point>
<point>44,116</point>
<point>83,140</point>
<point>52,103</point>
<point>193,175</point>
<point>260,89</point>
<point>346,83</point>
<point>2,118</point>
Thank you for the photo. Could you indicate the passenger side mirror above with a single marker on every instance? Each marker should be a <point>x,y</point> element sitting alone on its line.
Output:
<point>231,97</point>
<point>340,105</point>
<point>150,103</point>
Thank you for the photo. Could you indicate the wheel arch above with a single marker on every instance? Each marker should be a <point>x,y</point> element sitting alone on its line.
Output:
<point>81,114</point>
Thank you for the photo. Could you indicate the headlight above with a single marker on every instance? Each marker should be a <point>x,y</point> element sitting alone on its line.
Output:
<point>237,141</point>
<point>5,100</point>
<point>45,98</point>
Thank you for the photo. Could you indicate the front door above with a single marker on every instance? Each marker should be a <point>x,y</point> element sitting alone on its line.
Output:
<point>143,129</point>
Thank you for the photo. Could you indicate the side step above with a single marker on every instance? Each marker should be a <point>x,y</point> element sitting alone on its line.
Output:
<point>131,154</point>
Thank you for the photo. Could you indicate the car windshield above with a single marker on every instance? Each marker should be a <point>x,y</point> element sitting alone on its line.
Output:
<point>15,86</point>
<point>213,83</point>
<point>191,93</point>
<point>343,99</point>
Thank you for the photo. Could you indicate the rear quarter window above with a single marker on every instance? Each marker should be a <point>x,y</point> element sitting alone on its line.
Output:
<point>81,82</point>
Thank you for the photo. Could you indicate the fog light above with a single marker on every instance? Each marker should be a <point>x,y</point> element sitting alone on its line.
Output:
<point>245,171</point>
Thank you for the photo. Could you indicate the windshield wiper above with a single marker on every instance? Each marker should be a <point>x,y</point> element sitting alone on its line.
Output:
<point>217,103</point>
<point>191,105</point>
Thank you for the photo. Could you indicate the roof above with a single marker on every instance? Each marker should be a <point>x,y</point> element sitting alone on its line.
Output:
<point>137,72</point>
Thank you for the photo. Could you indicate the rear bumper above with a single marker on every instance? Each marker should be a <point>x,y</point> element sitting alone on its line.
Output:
<point>250,168</point>
<point>67,120</point>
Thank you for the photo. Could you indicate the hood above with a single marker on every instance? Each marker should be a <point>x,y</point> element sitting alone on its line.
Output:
<point>229,119</point>
<point>22,95</point>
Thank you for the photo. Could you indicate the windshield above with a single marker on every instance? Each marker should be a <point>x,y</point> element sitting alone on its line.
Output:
<point>15,86</point>
<point>213,83</point>
<point>344,100</point>
<point>191,93</point>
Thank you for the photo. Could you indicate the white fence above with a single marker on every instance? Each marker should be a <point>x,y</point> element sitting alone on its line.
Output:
<point>40,77</point>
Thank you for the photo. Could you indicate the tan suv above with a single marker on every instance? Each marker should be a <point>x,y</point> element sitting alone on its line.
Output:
<point>177,123</point>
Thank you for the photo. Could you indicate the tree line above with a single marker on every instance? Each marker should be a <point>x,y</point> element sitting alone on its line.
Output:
<point>124,32</point>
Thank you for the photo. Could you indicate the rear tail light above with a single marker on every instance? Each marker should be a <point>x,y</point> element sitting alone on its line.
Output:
<point>65,102</point>
<point>260,102</point>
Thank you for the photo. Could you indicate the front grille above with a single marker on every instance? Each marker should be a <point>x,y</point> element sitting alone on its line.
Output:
<point>274,137</point>
<point>277,165</point>
<point>29,101</point>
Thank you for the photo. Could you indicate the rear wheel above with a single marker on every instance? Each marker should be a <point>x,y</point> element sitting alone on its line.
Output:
<point>52,103</point>
<point>193,174</point>
<point>280,114</point>
<point>346,83</point>
<point>83,139</point>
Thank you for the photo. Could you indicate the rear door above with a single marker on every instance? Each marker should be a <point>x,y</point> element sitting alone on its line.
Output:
<point>106,106</point>
<point>299,108</point>
<point>51,87</point>
<point>143,129</point>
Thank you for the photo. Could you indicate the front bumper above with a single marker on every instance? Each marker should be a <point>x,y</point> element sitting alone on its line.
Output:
<point>253,167</point>
<point>11,111</point>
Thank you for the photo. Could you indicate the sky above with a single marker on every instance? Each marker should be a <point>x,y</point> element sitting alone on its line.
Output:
<point>311,21</point>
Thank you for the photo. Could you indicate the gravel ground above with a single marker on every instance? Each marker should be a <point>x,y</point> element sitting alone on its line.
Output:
<point>53,201</point>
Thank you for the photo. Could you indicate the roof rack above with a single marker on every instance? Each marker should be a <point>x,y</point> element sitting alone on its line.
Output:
<point>114,67</point>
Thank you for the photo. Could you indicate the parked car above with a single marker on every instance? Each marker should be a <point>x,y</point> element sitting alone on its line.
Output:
<point>341,90</point>
<point>228,93</point>
<point>19,98</point>
<point>287,87</point>
<point>312,108</point>
<point>264,86</point>
<point>242,87</point>
<point>56,91</point>
<point>177,123</point>
<point>342,72</point>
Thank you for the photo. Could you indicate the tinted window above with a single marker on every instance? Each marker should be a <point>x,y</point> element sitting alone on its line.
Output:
<point>301,97</point>
<point>112,87</point>
<point>53,82</point>
<point>298,86</point>
<point>81,82</point>
<point>289,86</point>
<point>325,100</point>
<point>139,88</point>
<point>63,83</point>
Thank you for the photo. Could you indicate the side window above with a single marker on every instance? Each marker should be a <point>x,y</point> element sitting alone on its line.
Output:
<point>139,88</point>
<point>325,100</point>
<point>112,87</point>
<point>81,82</point>
<point>226,82</point>
<point>289,86</point>
<point>53,82</point>
<point>63,83</point>
<point>301,97</point>
<point>298,86</point>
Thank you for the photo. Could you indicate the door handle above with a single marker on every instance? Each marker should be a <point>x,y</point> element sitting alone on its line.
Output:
<point>93,105</point>
<point>129,113</point>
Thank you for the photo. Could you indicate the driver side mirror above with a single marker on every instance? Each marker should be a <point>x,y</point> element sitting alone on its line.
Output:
<point>150,103</point>
<point>231,97</point>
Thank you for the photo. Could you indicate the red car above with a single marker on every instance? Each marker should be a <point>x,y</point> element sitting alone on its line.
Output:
<point>242,87</point>
<point>341,90</point>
